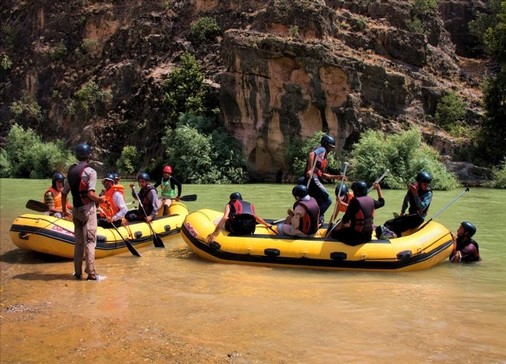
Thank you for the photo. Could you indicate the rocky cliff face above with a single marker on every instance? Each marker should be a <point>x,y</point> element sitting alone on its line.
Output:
<point>283,69</point>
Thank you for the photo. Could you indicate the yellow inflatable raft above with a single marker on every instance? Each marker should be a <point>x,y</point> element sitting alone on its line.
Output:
<point>420,250</point>
<point>50,235</point>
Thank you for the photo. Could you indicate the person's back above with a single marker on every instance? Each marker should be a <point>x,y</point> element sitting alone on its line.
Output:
<point>356,226</point>
<point>241,218</point>
<point>304,219</point>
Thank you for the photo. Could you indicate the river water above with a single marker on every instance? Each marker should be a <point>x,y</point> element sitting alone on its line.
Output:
<point>170,306</point>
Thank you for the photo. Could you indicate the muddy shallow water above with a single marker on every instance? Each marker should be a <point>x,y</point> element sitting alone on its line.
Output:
<point>170,306</point>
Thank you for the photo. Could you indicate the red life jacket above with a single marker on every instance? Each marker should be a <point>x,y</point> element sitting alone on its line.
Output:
<point>364,218</point>
<point>309,222</point>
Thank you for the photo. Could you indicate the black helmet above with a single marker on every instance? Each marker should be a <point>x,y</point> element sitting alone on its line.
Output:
<point>468,227</point>
<point>143,175</point>
<point>299,191</point>
<point>423,177</point>
<point>235,196</point>
<point>82,151</point>
<point>109,177</point>
<point>328,141</point>
<point>57,176</point>
<point>344,189</point>
<point>359,188</point>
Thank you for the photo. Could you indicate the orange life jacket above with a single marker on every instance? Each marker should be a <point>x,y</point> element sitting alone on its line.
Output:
<point>56,198</point>
<point>109,208</point>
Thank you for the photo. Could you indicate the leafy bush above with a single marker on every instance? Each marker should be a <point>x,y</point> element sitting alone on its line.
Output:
<point>202,152</point>
<point>404,154</point>
<point>128,162</point>
<point>27,110</point>
<point>499,176</point>
<point>5,62</point>
<point>450,111</point>
<point>205,28</point>
<point>26,155</point>
<point>91,97</point>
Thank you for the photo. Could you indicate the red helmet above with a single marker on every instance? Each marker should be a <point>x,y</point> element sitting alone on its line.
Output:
<point>167,169</point>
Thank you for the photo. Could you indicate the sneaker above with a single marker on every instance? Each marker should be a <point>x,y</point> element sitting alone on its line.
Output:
<point>77,276</point>
<point>95,277</point>
<point>388,234</point>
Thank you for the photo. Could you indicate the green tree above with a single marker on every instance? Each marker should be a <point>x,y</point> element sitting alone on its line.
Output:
<point>202,152</point>
<point>184,90</point>
<point>403,154</point>
<point>205,28</point>
<point>492,138</point>
<point>128,162</point>
<point>450,111</point>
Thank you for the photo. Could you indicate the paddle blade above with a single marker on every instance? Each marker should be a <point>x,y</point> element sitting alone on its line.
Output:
<point>37,206</point>
<point>188,198</point>
<point>158,241</point>
<point>132,248</point>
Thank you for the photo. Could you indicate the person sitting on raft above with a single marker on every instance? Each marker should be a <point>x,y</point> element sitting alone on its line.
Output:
<point>303,220</point>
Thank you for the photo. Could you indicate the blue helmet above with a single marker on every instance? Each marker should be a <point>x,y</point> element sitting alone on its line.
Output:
<point>143,175</point>
<point>57,176</point>
<point>82,151</point>
<point>423,177</point>
<point>109,177</point>
<point>235,196</point>
<point>328,141</point>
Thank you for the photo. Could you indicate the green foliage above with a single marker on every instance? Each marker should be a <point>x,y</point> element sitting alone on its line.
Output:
<point>90,98</point>
<point>403,154</point>
<point>499,176</point>
<point>205,28</point>
<point>450,111</point>
<point>201,152</point>
<point>298,151</point>
<point>421,10</point>
<point>27,110</point>
<point>58,52</point>
<point>294,31</point>
<point>26,155</point>
<point>425,7</point>
<point>184,90</point>
<point>492,139</point>
<point>483,21</point>
<point>128,162</point>
<point>5,63</point>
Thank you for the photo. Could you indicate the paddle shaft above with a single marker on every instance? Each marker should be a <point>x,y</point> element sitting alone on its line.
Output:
<point>378,180</point>
<point>336,209</point>
<point>444,208</point>
<point>129,245</point>
<point>312,170</point>
<point>156,239</point>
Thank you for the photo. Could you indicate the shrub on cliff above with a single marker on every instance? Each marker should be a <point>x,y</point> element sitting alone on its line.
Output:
<point>404,154</point>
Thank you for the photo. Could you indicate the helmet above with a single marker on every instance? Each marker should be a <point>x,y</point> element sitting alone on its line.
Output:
<point>344,189</point>
<point>116,177</point>
<point>359,188</point>
<point>167,169</point>
<point>328,141</point>
<point>423,177</point>
<point>57,177</point>
<point>299,191</point>
<point>236,196</point>
<point>82,151</point>
<point>143,175</point>
<point>109,177</point>
<point>468,227</point>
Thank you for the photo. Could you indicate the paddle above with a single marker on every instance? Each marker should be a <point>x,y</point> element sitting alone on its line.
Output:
<point>336,208</point>
<point>156,239</point>
<point>443,209</point>
<point>188,198</point>
<point>37,206</point>
<point>312,171</point>
<point>128,244</point>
